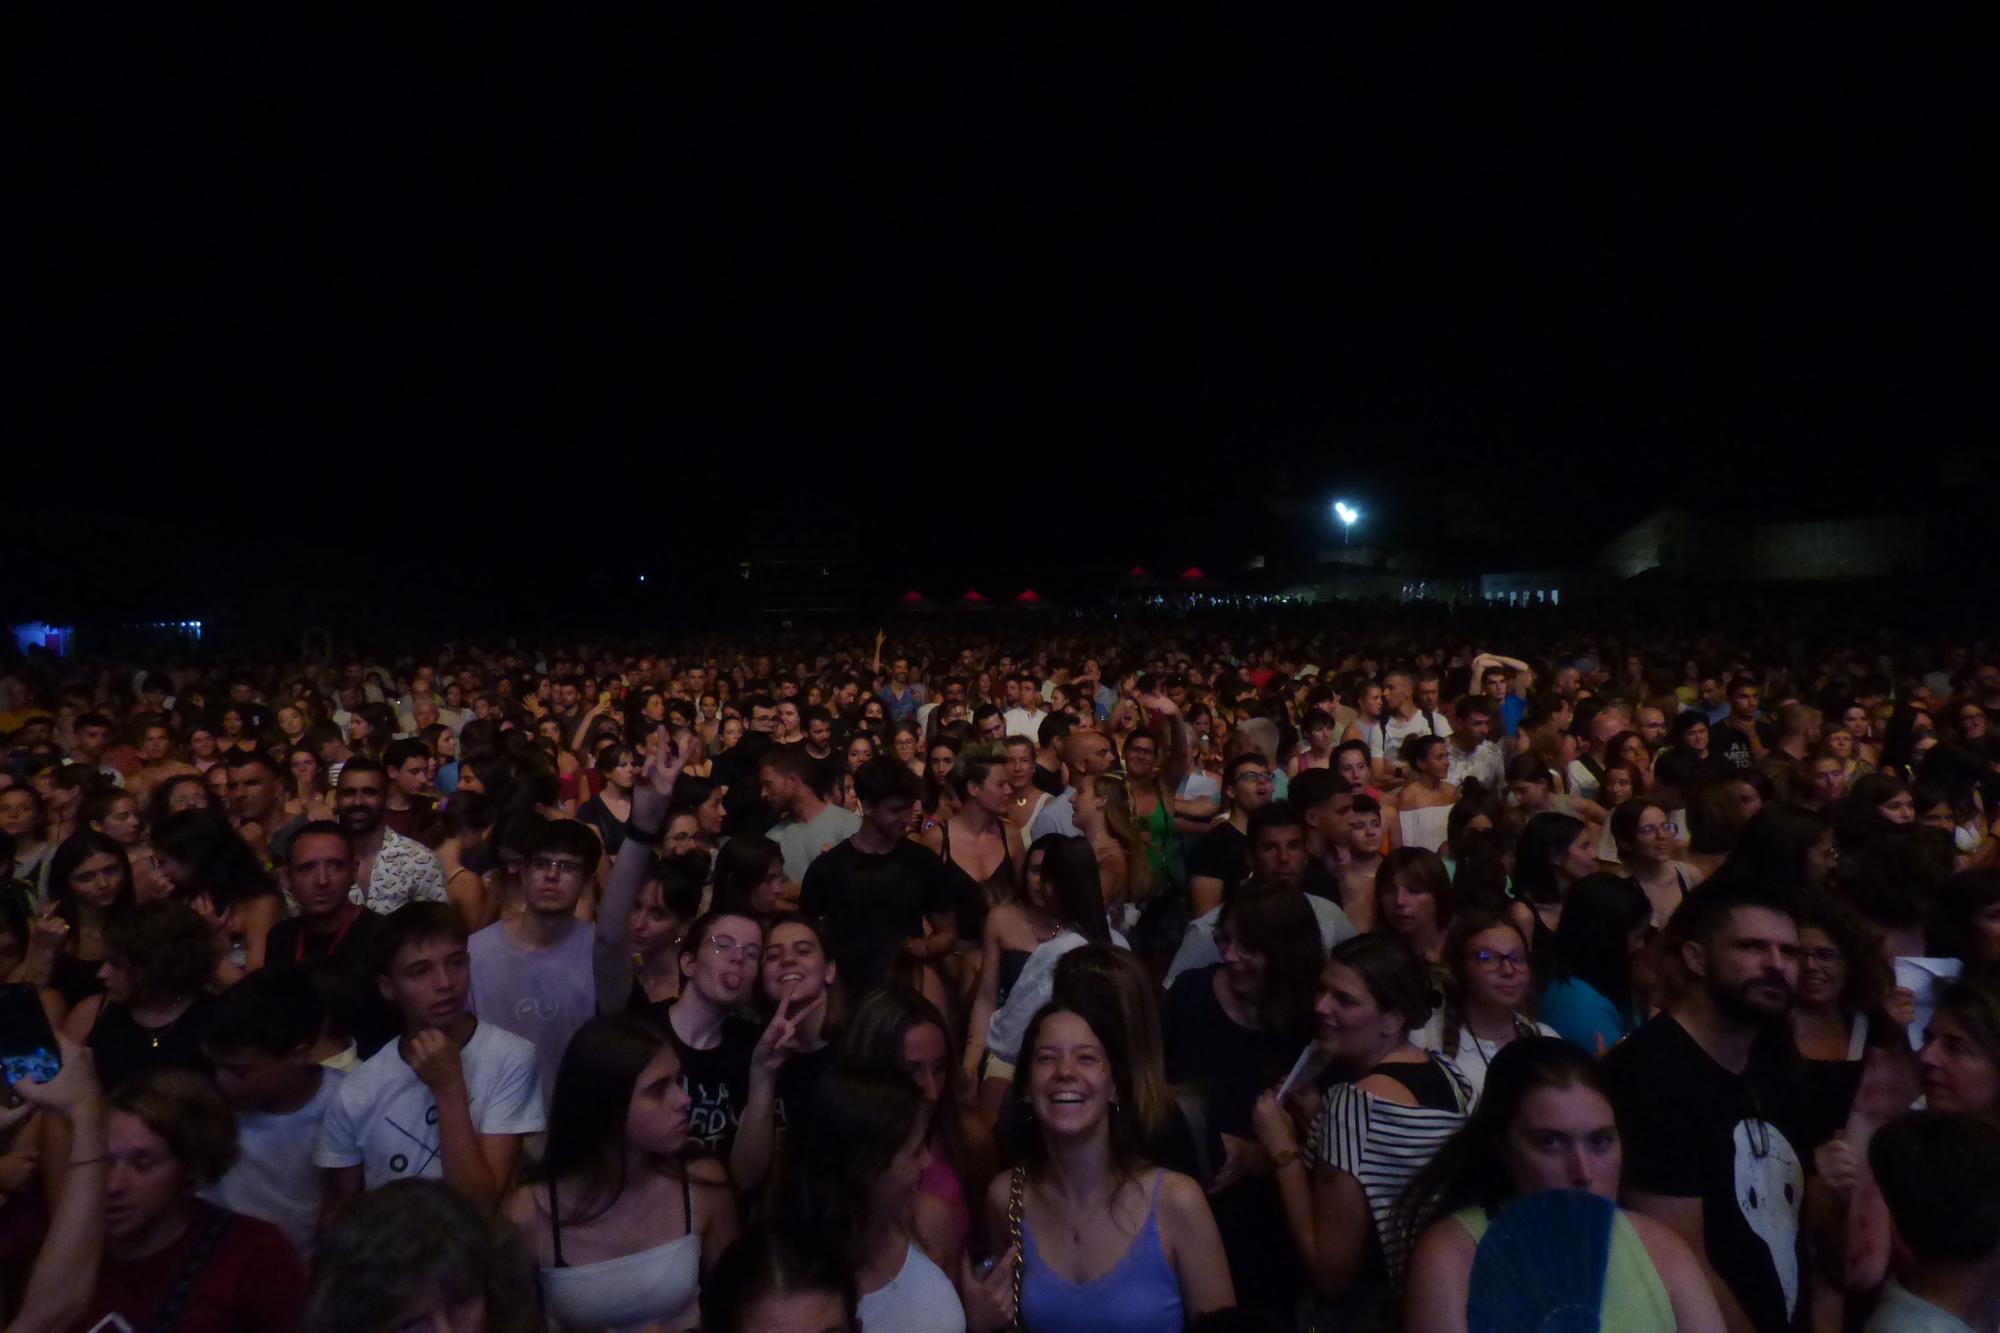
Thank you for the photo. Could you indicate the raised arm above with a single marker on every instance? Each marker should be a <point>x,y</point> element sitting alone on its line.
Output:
<point>611,953</point>
<point>65,1272</point>
<point>1484,660</point>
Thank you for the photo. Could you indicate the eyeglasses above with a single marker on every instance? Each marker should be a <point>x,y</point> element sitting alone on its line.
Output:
<point>722,946</point>
<point>1825,957</point>
<point>562,865</point>
<point>1248,776</point>
<point>1492,960</point>
<point>1667,828</point>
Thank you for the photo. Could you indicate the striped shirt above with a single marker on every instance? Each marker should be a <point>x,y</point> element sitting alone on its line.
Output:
<point>1382,1145</point>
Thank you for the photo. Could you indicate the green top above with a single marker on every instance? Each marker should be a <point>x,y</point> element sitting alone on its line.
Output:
<point>1635,1300</point>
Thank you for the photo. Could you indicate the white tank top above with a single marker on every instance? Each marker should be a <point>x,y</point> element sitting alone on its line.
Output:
<point>919,1299</point>
<point>653,1286</point>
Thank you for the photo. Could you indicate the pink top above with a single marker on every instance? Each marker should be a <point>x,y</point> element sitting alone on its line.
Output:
<point>942,1183</point>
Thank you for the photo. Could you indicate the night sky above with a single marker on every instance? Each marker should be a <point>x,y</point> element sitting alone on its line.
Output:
<point>521,306</point>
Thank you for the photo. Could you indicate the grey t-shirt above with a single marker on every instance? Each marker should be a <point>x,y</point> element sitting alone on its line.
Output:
<point>544,995</point>
<point>802,842</point>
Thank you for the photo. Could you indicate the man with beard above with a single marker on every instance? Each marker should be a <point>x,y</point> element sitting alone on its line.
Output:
<point>1712,1109</point>
<point>393,869</point>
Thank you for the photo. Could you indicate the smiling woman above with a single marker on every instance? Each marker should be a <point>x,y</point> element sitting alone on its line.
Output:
<point>1107,1242</point>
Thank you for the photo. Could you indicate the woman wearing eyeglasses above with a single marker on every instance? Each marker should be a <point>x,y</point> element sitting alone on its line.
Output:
<point>720,957</point>
<point>1488,991</point>
<point>1647,839</point>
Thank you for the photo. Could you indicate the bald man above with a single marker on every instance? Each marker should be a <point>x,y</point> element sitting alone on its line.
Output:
<point>1087,752</point>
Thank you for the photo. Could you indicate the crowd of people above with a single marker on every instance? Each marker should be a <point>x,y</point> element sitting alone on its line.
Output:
<point>1328,975</point>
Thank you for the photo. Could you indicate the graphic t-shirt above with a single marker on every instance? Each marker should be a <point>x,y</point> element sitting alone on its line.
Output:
<point>1740,1144</point>
<point>717,1082</point>
<point>544,995</point>
<point>385,1120</point>
<point>1729,748</point>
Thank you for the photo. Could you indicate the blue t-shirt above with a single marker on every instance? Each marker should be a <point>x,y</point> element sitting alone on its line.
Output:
<point>1581,1014</point>
<point>1511,709</point>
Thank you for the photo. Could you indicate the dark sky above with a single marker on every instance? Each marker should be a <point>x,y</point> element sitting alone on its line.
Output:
<point>311,305</point>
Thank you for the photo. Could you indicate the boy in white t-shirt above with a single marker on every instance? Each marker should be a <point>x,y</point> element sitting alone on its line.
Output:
<point>260,1043</point>
<point>453,1097</point>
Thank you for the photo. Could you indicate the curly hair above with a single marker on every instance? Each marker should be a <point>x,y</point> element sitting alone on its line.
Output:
<point>165,946</point>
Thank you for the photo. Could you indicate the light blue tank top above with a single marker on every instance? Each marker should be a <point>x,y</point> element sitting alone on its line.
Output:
<point>1139,1295</point>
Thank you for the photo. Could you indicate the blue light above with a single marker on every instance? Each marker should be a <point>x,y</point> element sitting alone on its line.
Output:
<point>1346,513</point>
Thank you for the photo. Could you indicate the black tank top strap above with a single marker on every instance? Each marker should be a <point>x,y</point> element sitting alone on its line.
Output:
<point>555,1223</point>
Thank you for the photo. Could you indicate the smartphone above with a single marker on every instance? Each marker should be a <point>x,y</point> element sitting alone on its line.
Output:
<point>27,1047</point>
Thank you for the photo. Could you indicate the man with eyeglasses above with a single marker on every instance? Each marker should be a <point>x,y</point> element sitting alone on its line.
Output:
<point>1221,860</point>
<point>531,973</point>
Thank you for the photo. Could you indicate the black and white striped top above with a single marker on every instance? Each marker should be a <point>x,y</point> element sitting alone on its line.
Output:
<point>1383,1145</point>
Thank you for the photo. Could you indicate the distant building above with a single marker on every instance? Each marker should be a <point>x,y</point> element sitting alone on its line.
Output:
<point>1684,544</point>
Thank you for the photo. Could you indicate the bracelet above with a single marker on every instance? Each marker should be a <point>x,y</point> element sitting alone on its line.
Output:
<point>1281,1160</point>
<point>89,1161</point>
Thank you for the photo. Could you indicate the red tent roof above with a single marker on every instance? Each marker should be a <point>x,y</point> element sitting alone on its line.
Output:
<point>913,596</point>
<point>1193,574</point>
<point>1136,572</point>
<point>972,596</point>
<point>1028,595</point>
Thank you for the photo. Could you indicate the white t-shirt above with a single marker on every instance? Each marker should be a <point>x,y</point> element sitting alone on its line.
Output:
<point>275,1177</point>
<point>1473,1055</point>
<point>385,1120</point>
<point>1020,722</point>
<point>1400,729</point>
<point>1583,783</point>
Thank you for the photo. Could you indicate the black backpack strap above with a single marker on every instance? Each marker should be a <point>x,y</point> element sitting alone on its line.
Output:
<point>197,1263</point>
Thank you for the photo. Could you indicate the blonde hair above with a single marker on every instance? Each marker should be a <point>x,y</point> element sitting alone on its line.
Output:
<point>1123,826</point>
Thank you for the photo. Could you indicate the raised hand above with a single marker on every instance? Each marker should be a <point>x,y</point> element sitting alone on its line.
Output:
<point>434,1058</point>
<point>46,940</point>
<point>656,781</point>
<point>1272,1124</point>
<point>781,1034</point>
<point>1839,1166</point>
<point>988,1300</point>
<point>74,1087</point>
